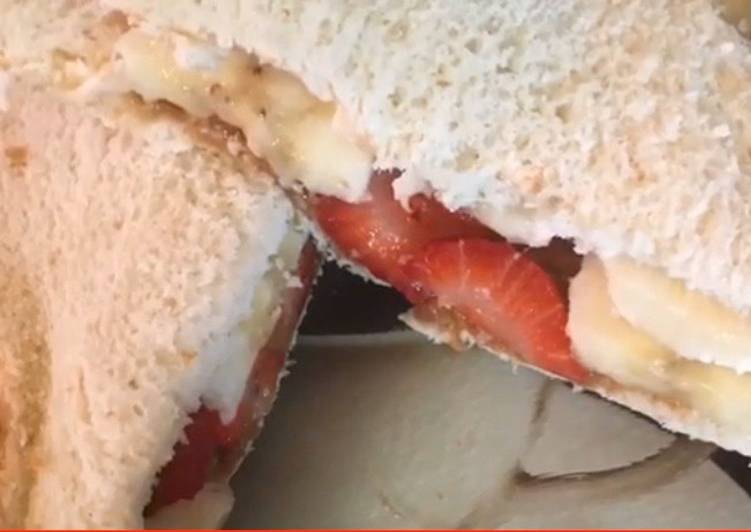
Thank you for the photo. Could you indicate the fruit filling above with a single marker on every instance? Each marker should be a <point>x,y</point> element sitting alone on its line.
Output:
<point>213,449</point>
<point>609,325</point>
<point>505,299</point>
<point>384,237</point>
<point>612,345</point>
<point>459,273</point>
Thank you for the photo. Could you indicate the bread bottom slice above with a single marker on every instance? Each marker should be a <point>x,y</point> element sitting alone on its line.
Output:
<point>671,416</point>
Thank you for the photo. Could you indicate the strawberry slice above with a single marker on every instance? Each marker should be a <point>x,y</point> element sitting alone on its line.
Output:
<point>382,236</point>
<point>502,296</point>
<point>213,448</point>
<point>264,378</point>
<point>191,465</point>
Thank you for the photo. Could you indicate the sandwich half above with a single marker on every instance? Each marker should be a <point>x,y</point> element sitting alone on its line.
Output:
<point>563,182</point>
<point>150,286</point>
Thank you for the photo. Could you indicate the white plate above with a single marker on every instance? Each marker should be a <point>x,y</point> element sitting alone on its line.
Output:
<point>387,431</point>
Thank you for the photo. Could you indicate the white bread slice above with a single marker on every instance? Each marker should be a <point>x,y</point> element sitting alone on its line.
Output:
<point>128,257</point>
<point>624,125</point>
<point>668,415</point>
<point>36,35</point>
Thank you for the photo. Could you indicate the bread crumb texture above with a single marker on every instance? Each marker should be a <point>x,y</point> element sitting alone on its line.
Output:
<point>623,124</point>
<point>127,255</point>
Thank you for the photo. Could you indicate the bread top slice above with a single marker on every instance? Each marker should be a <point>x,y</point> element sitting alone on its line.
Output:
<point>128,256</point>
<point>624,125</point>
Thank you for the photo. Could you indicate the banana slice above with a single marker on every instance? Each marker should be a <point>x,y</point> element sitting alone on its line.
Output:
<point>714,392</point>
<point>688,323</point>
<point>609,345</point>
<point>605,342</point>
<point>304,139</point>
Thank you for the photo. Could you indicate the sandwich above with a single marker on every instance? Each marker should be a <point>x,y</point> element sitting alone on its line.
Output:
<point>150,287</point>
<point>564,183</point>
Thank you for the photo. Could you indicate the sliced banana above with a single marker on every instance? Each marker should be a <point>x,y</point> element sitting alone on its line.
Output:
<point>689,323</point>
<point>300,136</point>
<point>609,345</point>
<point>714,392</point>
<point>605,342</point>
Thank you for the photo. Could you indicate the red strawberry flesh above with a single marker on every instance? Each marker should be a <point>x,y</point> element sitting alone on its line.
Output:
<point>213,448</point>
<point>383,236</point>
<point>503,297</point>
<point>461,275</point>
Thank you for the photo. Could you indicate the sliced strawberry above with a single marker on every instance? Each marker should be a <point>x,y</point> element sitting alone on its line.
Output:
<point>382,236</point>
<point>264,378</point>
<point>255,404</point>
<point>216,448</point>
<point>186,473</point>
<point>503,296</point>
